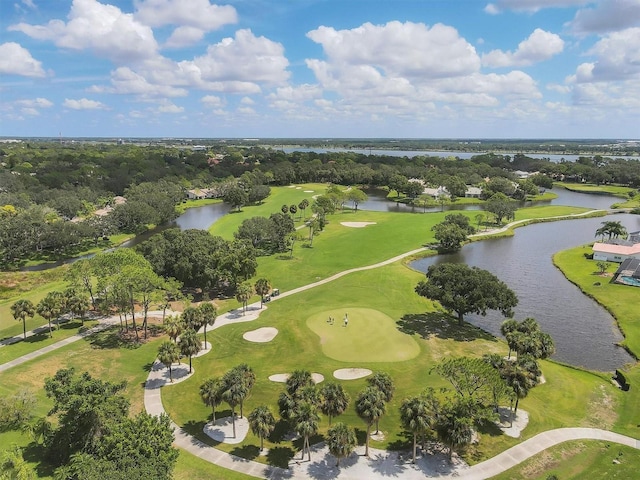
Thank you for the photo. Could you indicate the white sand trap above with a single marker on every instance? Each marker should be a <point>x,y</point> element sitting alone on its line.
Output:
<point>357,224</point>
<point>222,430</point>
<point>261,335</point>
<point>282,377</point>
<point>352,373</point>
<point>291,186</point>
<point>308,191</point>
<point>159,376</point>
<point>298,188</point>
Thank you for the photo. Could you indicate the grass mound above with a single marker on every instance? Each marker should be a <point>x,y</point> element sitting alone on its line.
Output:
<point>370,336</point>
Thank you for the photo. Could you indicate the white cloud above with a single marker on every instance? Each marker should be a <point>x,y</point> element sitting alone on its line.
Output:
<point>606,16</point>
<point>16,60</point>
<point>617,58</point>
<point>404,49</point>
<point>237,65</point>
<point>194,13</point>
<point>247,101</point>
<point>184,36</point>
<point>84,104</point>
<point>212,101</point>
<point>539,46</point>
<point>125,81</point>
<point>170,108</point>
<point>30,4</point>
<point>35,103</point>
<point>103,29</point>
<point>531,5</point>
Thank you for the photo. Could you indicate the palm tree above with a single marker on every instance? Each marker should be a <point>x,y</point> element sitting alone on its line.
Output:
<point>21,310</point>
<point>192,318</point>
<point>370,406</point>
<point>508,327</point>
<point>174,326</point>
<point>293,209</point>
<point>262,423</point>
<point>48,308</point>
<point>521,376</point>
<point>168,353</point>
<point>454,428</point>
<point>383,382</point>
<point>297,380</point>
<point>303,206</point>
<point>60,300</point>
<point>189,344</point>
<point>306,424</point>
<point>78,306</point>
<point>341,441</point>
<point>245,378</point>
<point>334,400</point>
<point>243,294</point>
<point>284,209</point>
<point>262,287</point>
<point>211,393</point>
<point>209,314</point>
<point>233,395</point>
<point>416,417</point>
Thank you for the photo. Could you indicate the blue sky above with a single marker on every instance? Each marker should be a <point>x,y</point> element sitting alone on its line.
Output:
<point>320,68</point>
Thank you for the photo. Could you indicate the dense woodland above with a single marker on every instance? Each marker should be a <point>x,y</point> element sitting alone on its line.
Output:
<point>49,191</point>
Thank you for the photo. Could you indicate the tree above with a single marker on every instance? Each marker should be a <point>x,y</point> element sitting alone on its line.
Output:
<point>243,379</point>
<point>453,425</point>
<point>455,186</point>
<point>262,287</point>
<point>341,441</point>
<point>212,393</point>
<point>501,207</point>
<point>233,394</point>
<point>417,417</point>
<point>602,267</point>
<point>257,193</point>
<point>192,318</point>
<point>236,197</point>
<point>209,313</point>
<point>257,230</point>
<point>449,236</point>
<point>284,209</point>
<point>398,183</point>
<point>21,310</point>
<point>463,289</point>
<point>526,338</point>
<point>306,424</point>
<point>314,225</point>
<point>174,326</point>
<point>472,378</point>
<point>168,354</point>
<point>78,305</point>
<point>80,274</point>
<point>293,209</point>
<point>243,294</point>
<point>370,406</point>
<point>303,206</point>
<point>611,229</point>
<point>414,190</point>
<point>48,308</point>
<point>521,376</point>
<point>383,382</point>
<point>334,400</point>
<point>356,196</point>
<point>189,344</point>
<point>261,423</point>
<point>507,327</point>
<point>14,467</point>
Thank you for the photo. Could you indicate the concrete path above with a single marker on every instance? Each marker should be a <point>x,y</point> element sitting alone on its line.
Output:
<point>381,464</point>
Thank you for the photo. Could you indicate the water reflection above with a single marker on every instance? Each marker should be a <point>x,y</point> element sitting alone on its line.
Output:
<point>585,333</point>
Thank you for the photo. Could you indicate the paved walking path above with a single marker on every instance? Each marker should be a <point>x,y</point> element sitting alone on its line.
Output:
<point>381,464</point>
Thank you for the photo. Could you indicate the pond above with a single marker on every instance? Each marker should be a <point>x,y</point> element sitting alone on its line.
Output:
<point>585,334</point>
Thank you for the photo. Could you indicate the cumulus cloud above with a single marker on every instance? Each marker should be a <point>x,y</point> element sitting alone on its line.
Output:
<point>541,45</point>
<point>405,49</point>
<point>531,5</point>
<point>184,36</point>
<point>103,29</point>
<point>125,81</point>
<point>240,62</point>
<point>617,58</point>
<point>606,16</point>
<point>212,101</point>
<point>84,104</point>
<point>35,103</point>
<point>170,108</point>
<point>17,60</point>
<point>194,13</point>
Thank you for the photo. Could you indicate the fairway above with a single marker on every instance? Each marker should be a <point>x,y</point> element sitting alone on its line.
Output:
<point>371,336</point>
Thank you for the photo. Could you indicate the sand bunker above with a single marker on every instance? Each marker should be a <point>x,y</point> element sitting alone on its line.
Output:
<point>351,373</point>
<point>514,429</point>
<point>261,335</point>
<point>308,191</point>
<point>357,224</point>
<point>282,377</point>
<point>222,430</point>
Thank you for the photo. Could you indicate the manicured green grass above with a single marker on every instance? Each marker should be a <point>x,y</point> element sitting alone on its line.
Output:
<point>190,467</point>
<point>548,211</point>
<point>292,195</point>
<point>369,336</point>
<point>579,460</point>
<point>616,190</point>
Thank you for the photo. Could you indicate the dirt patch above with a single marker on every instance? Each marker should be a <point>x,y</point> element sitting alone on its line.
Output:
<point>602,409</point>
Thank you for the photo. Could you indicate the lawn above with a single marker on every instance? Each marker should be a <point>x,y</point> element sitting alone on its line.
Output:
<point>579,460</point>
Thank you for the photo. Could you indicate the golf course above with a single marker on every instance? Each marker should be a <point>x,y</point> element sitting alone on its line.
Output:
<point>356,270</point>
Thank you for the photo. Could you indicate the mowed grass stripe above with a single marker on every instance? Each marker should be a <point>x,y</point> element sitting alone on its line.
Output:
<point>370,336</point>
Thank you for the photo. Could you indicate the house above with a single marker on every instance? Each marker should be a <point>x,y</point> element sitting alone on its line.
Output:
<point>634,237</point>
<point>436,192</point>
<point>617,251</point>
<point>628,273</point>
<point>473,192</point>
<point>200,193</point>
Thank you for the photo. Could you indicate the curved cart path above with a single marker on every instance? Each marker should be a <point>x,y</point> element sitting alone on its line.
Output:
<point>380,465</point>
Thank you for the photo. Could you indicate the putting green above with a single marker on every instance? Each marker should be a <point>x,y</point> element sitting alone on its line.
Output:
<point>370,336</point>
